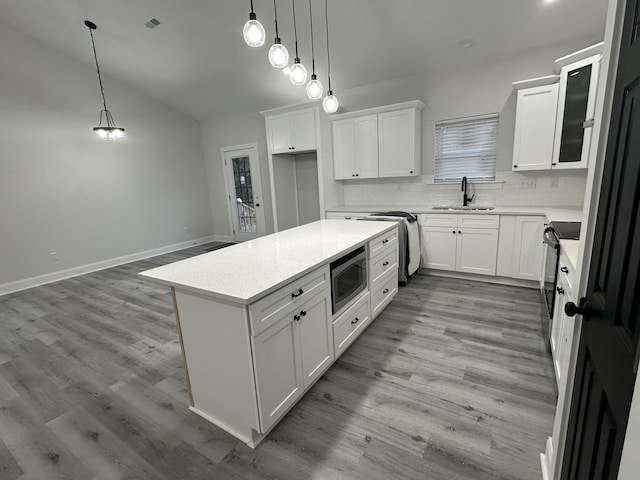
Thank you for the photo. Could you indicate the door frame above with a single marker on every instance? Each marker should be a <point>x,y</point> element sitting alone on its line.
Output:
<point>256,180</point>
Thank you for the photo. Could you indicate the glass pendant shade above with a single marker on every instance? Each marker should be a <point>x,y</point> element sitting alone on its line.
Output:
<point>278,55</point>
<point>314,88</point>
<point>253,32</point>
<point>298,73</point>
<point>330,103</point>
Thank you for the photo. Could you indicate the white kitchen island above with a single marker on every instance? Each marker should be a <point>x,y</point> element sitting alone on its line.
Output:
<point>255,319</point>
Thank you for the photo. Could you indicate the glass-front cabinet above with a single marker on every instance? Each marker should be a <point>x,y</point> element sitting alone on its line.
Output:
<point>576,110</point>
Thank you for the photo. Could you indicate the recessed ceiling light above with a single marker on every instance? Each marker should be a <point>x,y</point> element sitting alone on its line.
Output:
<point>467,43</point>
<point>152,23</point>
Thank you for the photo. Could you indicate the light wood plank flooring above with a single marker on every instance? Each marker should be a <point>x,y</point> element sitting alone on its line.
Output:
<point>451,382</point>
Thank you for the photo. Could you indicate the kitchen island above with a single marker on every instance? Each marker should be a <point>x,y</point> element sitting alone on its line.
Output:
<point>255,320</point>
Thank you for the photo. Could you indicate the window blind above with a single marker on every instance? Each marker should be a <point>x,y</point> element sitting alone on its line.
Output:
<point>466,147</point>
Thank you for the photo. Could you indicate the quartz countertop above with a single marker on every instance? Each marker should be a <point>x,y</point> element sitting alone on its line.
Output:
<point>245,272</point>
<point>553,214</point>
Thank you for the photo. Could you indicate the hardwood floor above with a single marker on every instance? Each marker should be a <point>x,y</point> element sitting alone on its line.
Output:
<point>452,381</point>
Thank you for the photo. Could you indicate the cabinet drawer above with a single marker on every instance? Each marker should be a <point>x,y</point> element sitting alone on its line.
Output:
<point>381,242</point>
<point>386,261</point>
<point>479,221</point>
<point>348,326</point>
<point>566,275</point>
<point>438,220</point>
<point>268,310</point>
<point>383,292</point>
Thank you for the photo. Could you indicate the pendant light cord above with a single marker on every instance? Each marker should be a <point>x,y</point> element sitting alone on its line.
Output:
<point>275,14</point>
<point>295,30</point>
<point>95,56</point>
<point>326,22</point>
<point>313,57</point>
<point>251,6</point>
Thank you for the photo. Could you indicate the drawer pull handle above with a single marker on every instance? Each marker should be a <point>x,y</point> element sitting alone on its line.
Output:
<point>303,313</point>
<point>386,240</point>
<point>296,318</point>
<point>386,290</point>
<point>564,269</point>
<point>385,264</point>
<point>297,294</point>
<point>353,322</point>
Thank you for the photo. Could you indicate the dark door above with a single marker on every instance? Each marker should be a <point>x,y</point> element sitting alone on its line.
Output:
<point>608,352</point>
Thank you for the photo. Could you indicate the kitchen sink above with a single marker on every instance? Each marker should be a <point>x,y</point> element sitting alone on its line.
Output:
<point>460,207</point>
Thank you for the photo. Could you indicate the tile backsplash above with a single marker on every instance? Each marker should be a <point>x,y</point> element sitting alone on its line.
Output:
<point>558,188</point>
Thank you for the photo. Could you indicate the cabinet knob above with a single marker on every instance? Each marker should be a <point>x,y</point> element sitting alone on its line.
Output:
<point>296,318</point>
<point>460,231</point>
<point>297,294</point>
<point>347,218</point>
<point>515,166</point>
<point>357,174</point>
<point>453,231</point>
<point>553,164</point>
<point>560,290</point>
<point>353,174</point>
<point>355,320</point>
<point>386,290</point>
<point>386,240</point>
<point>385,264</point>
<point>410,171</point>
<point>564,269</point>
<point>303,313</point>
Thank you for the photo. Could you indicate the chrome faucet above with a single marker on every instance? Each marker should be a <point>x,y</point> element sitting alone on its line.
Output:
<point>465,199</point>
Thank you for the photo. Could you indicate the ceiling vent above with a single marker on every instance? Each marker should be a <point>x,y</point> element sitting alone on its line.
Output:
<point>152,23</point>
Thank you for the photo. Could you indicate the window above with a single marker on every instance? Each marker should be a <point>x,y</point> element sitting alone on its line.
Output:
<point>466,147</point>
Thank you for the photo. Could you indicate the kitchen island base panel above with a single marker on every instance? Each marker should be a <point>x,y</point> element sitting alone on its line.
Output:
<point>251,438</point>
<point>218,354</point>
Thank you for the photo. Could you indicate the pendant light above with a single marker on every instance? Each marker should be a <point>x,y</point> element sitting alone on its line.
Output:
<point>330,103</point>
<point>109,131</point>
<point>253,31</point>
<point>278,53</point>
<point>314,87</point>
<point>297,72</point>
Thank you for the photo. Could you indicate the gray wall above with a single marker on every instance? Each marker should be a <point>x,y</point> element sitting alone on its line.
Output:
<point>63,190</point>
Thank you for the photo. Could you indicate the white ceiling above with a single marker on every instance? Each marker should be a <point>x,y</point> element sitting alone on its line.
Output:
<point>197,61</point>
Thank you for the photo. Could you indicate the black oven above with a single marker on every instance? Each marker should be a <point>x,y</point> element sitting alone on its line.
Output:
<point>552,235</point>
<point>348,278</point>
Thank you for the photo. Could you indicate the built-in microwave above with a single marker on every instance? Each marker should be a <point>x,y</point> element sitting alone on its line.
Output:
<point>348,278</point>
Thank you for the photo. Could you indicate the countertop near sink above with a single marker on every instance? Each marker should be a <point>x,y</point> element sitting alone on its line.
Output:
<point>553,214</point>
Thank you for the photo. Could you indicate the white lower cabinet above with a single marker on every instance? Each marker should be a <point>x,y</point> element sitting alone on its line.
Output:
<point>290,355</point>
<point>562,325</point>
<point>528,247</point>
<point>461,243</point>
<point>348,326</point>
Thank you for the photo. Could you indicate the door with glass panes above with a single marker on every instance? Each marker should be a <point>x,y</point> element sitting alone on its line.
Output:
<point>244,191</point>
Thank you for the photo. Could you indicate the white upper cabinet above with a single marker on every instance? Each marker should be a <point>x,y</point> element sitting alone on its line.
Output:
<point>355,147</point>
<point>576,111</point>
<point>378,142</point>
<point>399,143</point>
<point>535,127</point>
<point>292,132</point>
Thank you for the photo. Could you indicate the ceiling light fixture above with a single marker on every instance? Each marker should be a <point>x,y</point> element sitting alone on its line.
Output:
<point>314,87</point>
<point>330,103</point>
<point>278,53</point>
<point>109,131</point>
<point>298,72</point>
<point>253,31</point>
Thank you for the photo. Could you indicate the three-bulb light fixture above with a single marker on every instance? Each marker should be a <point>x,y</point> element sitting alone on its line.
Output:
<point>254,35</point>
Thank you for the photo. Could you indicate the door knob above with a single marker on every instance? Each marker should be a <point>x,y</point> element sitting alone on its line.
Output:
<point>584,309</point>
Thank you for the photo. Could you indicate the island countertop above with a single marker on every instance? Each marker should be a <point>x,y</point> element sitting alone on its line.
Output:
<point>245,272</point>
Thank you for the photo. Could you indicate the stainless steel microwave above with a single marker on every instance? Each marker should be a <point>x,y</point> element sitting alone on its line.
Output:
<point>348,278</point>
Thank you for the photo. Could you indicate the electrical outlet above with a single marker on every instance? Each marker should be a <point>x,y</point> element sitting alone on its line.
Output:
<point>54,256</point>
<point>527,183</point>
<point>185,229</point>
<point>554,183</point>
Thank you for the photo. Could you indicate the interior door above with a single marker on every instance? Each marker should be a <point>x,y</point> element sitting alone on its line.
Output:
<point>244,192</point>
<point>608,354</point>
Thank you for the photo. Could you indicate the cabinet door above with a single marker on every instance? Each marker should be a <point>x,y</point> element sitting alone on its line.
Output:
<point>398,150</point>
<point>344,149</point>
<point>303,128</point>
<point>578,85</point>
<point>316,337</point>
<point>439,248</point>
<point>280,132</point>
<point>535,128</point>
<point>278,370</point>
<point>366,156</point>
<point>528,248</point>
<point>477,251</point>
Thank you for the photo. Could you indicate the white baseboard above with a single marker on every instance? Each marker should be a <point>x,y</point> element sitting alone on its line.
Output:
<point>36,281</point>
